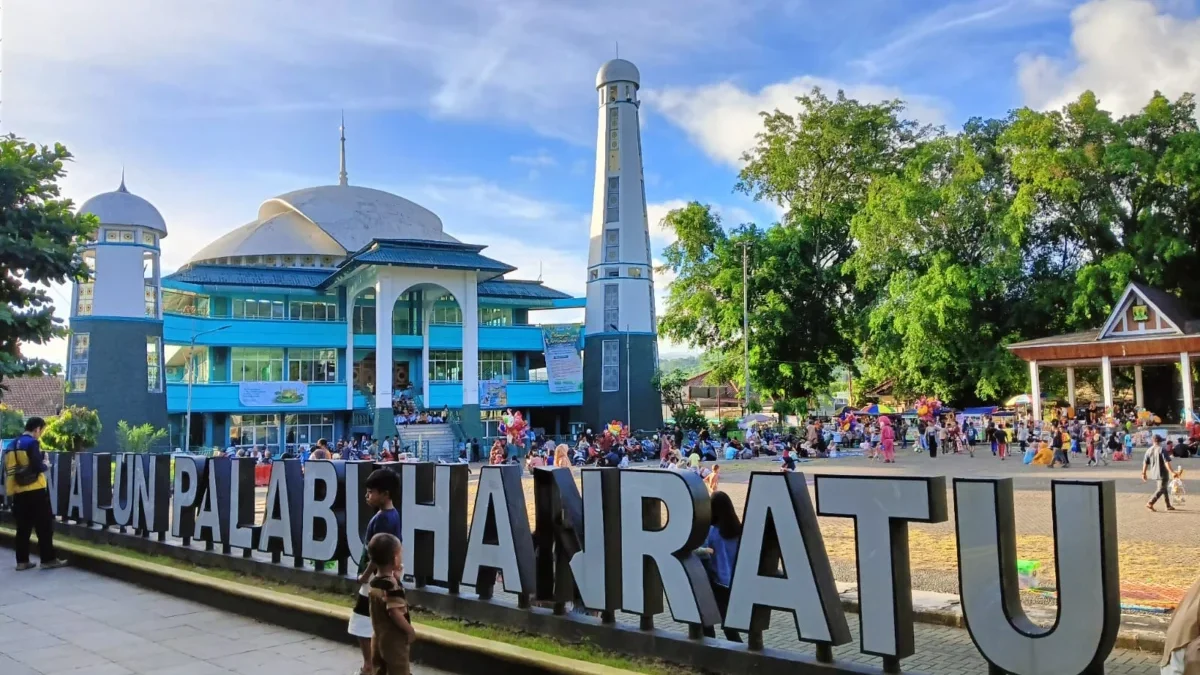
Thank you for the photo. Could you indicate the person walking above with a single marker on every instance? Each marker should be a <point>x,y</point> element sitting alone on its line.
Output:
<point>1157,463</point>
<point>25,482</point>
<point>887,440</point>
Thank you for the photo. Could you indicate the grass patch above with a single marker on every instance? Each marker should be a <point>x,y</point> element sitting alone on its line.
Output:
<point>583,651</point>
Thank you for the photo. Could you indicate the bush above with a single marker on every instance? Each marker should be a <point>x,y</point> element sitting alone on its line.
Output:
<point>75,430</point>
<point>140,439</point>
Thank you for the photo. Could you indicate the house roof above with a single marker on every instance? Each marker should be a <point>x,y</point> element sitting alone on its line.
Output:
<point>435,254</point>
<point>1170,305</point>
<point>233,275</point>
<point>519,288</point>
<point>34,396</point>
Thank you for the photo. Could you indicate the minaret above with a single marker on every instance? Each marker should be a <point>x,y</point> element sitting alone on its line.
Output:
<point>620,331</point>
<point>342,178</point>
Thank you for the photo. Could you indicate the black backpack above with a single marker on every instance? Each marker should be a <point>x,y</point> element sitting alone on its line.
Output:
<point>25,474</point>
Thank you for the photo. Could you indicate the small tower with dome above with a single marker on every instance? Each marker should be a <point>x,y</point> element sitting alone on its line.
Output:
<point>114,359</point>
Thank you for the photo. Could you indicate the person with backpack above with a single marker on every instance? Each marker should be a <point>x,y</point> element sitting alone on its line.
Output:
<point>25,482</point>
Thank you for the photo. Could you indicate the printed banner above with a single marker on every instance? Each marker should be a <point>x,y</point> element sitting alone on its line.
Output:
<point>273,394</point>
<point>564,364</point>
<point>493,394</point>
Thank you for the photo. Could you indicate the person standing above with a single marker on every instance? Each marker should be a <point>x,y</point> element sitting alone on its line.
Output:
<point>1157,463</point>
<point>719,553</point>
<point>25,482</point>
<point>887,440</point>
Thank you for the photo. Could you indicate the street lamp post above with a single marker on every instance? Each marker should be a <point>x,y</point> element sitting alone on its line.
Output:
<point>187,423</point>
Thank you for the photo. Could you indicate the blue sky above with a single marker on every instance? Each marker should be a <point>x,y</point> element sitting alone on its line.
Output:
<point>484,112</point>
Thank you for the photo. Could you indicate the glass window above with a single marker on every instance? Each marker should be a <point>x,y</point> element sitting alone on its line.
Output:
<point>257,364</point>
<point>153,363</point>
<point>79,377</point>
<point>151,293</point>
<point>127,236</point>
<point>495,316</point>
<point>80,345</point>
<point>148,238</point>
<point>83,305</point>
<point>312,365</point>
<point>364,317</point>
<point>254,430</point>
<point>612,272</point>
<point>111,235</point>
<point>495,365</point>
<point>175,358</point>
<point>183,302</point>
<point>610,371</point>
<point>445,366</point>
<point>308,428</point>
<point>612,307</point>
<point>612,245</point>
<point>252,308</point>
<point>613,206</point>
<point>313,310</point>
<point>447,312</point>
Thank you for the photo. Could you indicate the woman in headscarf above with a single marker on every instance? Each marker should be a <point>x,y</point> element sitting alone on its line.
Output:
<point>1181,650</point>
<point>887,439</point>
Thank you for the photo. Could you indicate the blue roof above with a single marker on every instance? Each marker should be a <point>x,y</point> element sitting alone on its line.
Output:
<point>514,288</point>
<point>429,254</point>
<point>229,275</point>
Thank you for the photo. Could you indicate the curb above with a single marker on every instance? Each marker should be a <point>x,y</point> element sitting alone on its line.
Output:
<point>435,647</point>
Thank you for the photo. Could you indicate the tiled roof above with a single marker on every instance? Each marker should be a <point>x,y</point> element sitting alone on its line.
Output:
<point>429,254</point>
<point>222,275</point>
<point>33,396</point>
<point>1081,337</point>
<point>514,288</point>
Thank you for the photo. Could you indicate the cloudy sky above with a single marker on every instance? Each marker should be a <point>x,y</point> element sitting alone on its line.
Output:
<point>484,111</point>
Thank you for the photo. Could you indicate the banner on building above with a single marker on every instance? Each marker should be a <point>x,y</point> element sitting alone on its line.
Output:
<point>493,394</point>
<point>564,364</point>
<point>273,394</point>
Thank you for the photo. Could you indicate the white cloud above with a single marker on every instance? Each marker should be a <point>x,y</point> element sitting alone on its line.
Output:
<point>1123,50</point>
<point>655,213</point>
<point>541,158</point>
<point>723,118</point>
<point>526,62</point>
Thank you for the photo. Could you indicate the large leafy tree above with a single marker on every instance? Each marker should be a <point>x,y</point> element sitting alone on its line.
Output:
<point>40,239</point>
<point>816,166</point>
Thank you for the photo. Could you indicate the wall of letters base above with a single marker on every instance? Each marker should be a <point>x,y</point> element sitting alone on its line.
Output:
<point>607,544</point>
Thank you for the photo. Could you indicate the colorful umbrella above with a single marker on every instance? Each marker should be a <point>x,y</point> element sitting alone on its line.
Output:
<point>877,409</point>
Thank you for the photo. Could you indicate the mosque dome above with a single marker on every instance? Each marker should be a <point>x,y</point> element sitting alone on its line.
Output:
<point>326,221</point>
<point>618,70</point>
<point>122,207</point>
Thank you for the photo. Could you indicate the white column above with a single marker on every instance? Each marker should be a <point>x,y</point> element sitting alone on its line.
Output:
<point>385,298</point>
<point>1071,386</point>
<point>1185,371</point>
<point>1137,387</point>
<point>1035,393</point>
<point>1106,380</point>
<point>426,315</point>
<point>348,376</point>
<point>469,302</point>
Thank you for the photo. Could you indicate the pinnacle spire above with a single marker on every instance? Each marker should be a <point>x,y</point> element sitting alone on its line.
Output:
<point>342,178</point>
<point>122,188</point>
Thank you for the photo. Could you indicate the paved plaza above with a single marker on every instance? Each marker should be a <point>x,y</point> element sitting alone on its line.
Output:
<point>73,622</point>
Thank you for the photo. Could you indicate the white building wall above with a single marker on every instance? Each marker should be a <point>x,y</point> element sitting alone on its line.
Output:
<point>119,289</point>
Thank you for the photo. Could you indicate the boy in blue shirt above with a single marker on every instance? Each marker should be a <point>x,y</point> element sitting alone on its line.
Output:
<point>383,486</point>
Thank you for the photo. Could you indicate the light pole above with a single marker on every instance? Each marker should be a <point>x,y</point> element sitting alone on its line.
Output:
<point>191,356</point>
<point>746,325</point>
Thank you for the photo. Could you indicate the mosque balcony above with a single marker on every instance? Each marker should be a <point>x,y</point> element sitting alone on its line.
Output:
<point>238,332</point>
<point>520,394</point>
<point>448,336</point>
<point>224,397</point>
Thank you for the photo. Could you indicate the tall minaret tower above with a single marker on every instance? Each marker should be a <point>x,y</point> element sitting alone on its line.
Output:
<point>115,356</point>
<point>620,332</point>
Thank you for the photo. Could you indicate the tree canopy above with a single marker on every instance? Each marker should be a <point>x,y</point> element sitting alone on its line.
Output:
<point>40,244</point>
<point>914,255</point>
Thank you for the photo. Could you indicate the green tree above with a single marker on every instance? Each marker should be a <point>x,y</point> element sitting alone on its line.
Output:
<point>40,244</point>
<point>74,430</point>
<point>140,439</point>
<point>671,385</point>
<point>12,422</point>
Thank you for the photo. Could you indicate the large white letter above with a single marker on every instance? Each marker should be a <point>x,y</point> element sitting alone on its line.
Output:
<point>190,483</point>
<point>881,508</point>
<point>323,516</point>
<point>434,517</point>
<point>782,564</point>
<point>500,539</point>
<point>123,489</point>
<point>646,541</point>
<point>243,533</point>
<point>1085,553</point>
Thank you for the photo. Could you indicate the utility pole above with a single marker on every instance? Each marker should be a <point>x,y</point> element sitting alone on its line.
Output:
<point>191,373</point>
<point>746,325</point>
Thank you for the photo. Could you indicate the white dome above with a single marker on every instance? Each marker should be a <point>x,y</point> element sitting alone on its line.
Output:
<point>122,207</point>
<point>330,220</point>
<point>618,70</point>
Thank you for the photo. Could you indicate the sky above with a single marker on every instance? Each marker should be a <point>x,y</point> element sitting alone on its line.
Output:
<point>484,111</point>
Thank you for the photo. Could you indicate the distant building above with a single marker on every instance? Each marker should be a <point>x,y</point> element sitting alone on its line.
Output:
<point>34,396</point>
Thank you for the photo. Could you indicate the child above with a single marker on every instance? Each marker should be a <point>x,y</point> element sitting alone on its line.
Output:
<point>392,633</point>
<point>382,487</point>
<point>711,480</point>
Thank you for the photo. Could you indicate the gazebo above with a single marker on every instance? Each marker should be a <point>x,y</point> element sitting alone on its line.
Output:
<point>1147,326</point>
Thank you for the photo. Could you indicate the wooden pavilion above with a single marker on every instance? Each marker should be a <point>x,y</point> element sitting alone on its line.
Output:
<point>1147,326</point>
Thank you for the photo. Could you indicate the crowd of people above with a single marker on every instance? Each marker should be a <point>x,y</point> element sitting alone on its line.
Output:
<point>405,412</point>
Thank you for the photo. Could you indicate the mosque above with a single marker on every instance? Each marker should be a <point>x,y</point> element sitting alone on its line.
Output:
<point>338,302</point>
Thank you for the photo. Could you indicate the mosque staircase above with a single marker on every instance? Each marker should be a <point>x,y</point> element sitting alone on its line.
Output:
<point>431,442</point>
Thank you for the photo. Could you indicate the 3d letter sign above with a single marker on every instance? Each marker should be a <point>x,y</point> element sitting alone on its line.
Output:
<point>627,540</point>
